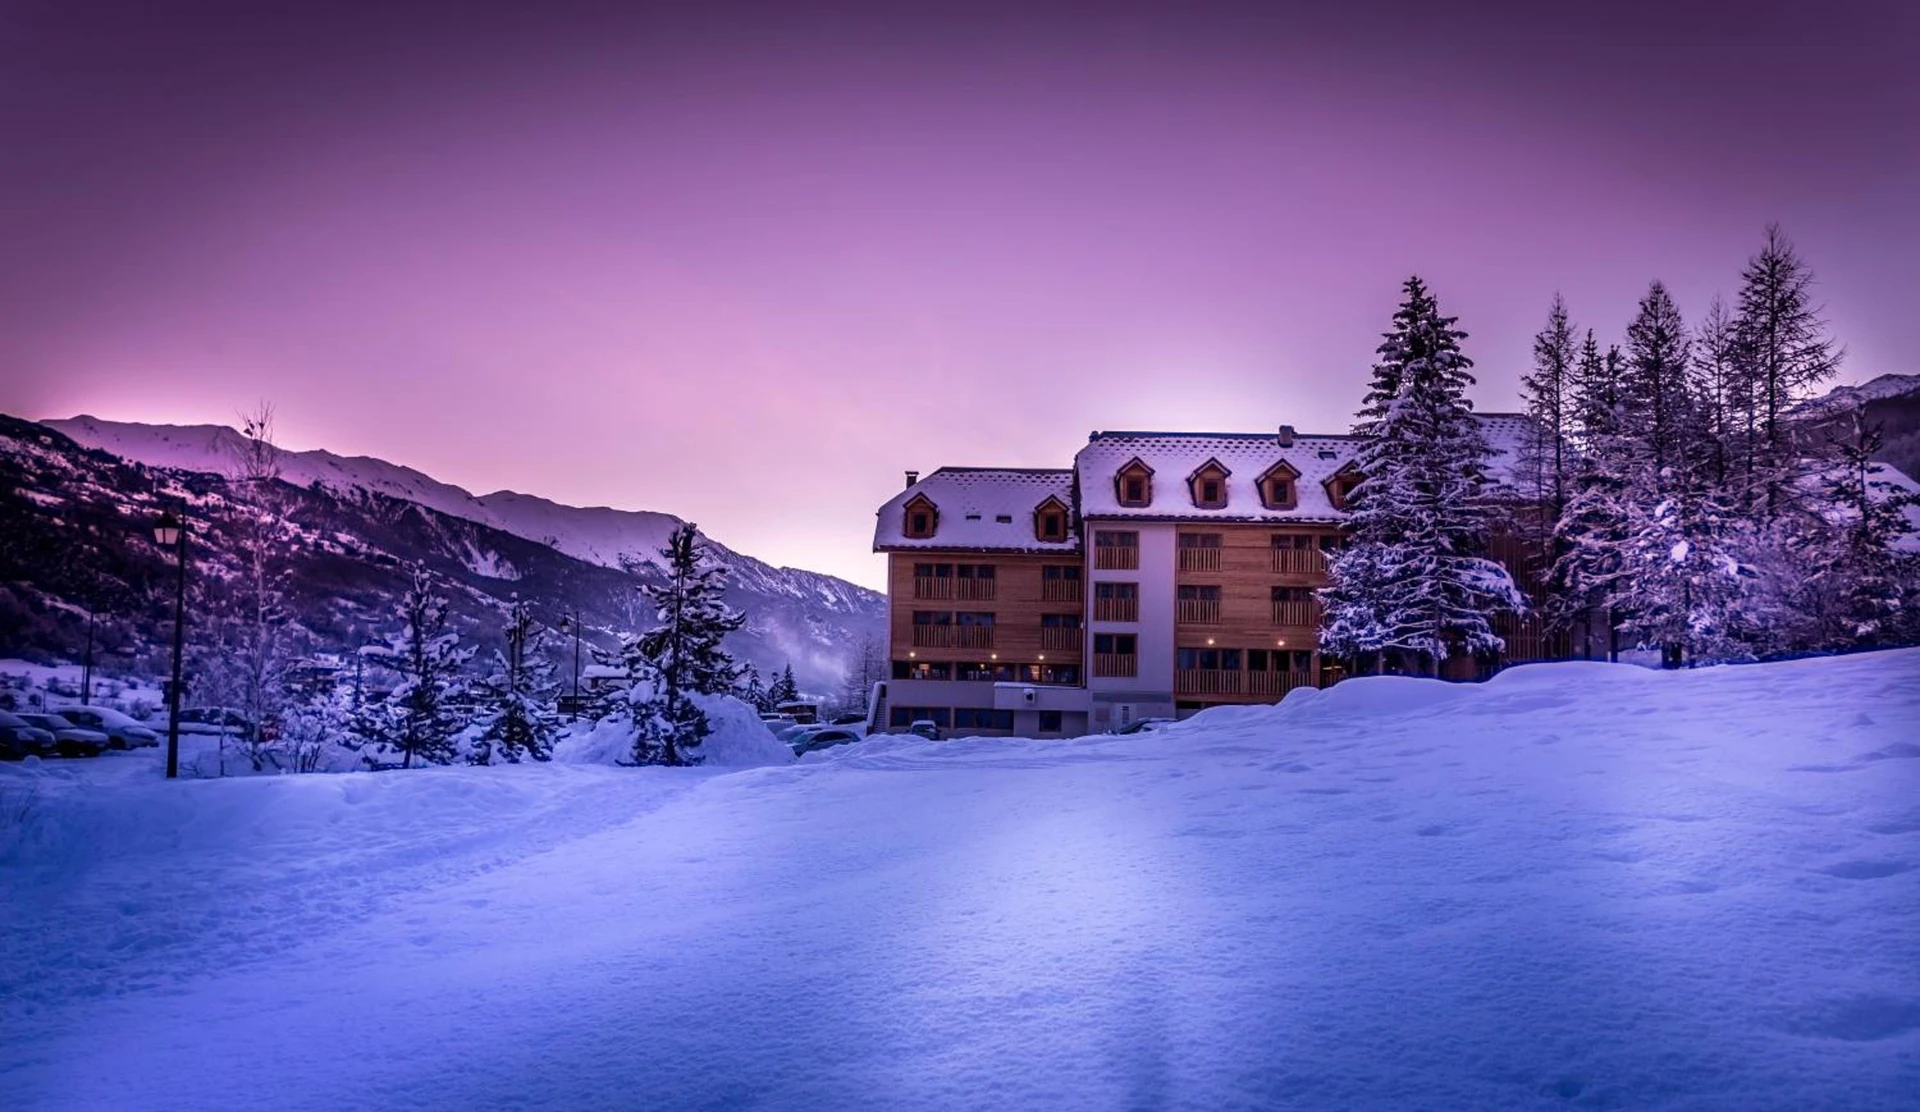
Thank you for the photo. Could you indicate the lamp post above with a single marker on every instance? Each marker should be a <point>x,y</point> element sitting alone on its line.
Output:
<point>86,674</point>
<point>570,623</point>
<point>171,532</point>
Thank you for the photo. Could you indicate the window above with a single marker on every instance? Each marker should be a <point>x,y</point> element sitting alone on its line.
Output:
<point>1004,519</point>
<point>1199,594</point>
<point>1136,490</point>
<point>922,670</point>
<point>1133,485</point>
<point>1104,539</point>
<point>1279,492</point>
<point>984,672</point>
<point>1292,594</point>
<point>977,619</point>
<point>1199,540</point>
<point>1207,660</point>
<point>1053,526</point>
<point>902,717</point>
<point>1210,491</point>
<point>1331,542</point>
<point>1279,660</point>
<point>922,517</point>
<point>1059,621</point>
<point>981,718</point>
<point>1050,722</point>
<point>1116,550</point>
<point>1060,572</point>
<point>932,617</point>
<point>974,571</point>
<point>1116,590</point>
<point>1120,644</point>
<point>932,571</point>
<point>1276,486</point>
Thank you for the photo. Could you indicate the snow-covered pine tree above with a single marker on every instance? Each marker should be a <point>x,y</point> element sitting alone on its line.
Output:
<point>1718,390</point>
<point>1414,578</point>
<point>1548,395</point>
<point>868,668</point>
<point>682,656</point>
<point>1592,523</point>
<point>1655,406</point>
<point>417,719</point>
<point>752,689</point>
<point>1785,352</point>
<point>1865,586</point>
<point>518,695</point>
<point>783,689</point>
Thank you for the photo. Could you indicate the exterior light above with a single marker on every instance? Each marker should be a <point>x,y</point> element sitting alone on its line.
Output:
<point>1283,641</point>
<point>1043,656</point>
<point>1209,640</point>
<point>167,530</point>
<point>910,656</point>
<point>993,656</point>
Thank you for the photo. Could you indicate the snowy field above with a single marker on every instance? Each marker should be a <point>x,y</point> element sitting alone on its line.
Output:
<point>1577,886</point>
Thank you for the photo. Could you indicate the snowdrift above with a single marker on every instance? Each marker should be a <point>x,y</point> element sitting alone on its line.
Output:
<point>739,739</point>
<point>1575,886</point>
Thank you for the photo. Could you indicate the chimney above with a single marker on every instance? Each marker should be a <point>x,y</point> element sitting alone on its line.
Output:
<point>913,477</point>
<point>1286,436</point>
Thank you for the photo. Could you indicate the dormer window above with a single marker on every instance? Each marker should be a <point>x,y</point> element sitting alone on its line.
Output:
<point>1133,485</point>
<point>1277,487</point>
<point>1050,521</point>
<point>1208,485</point>
<point>1340,486</point>
<point>922,517</point>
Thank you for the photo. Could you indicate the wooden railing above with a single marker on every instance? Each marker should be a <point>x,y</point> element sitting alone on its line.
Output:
<point>1198,611</point>
<point>1116,664</point>
<point>952,637</point>
<point>1298,561</point>
<point>1276,684</point>
<point>1199,559</point>
<point>1114,557</point>
<point>974,590</point>
<point>1060,590</point>
<point>1207,681</point>
<point>1297,614</point>
<point>1058,639</point>
<point>1116,609</point>
<point>927,586</point>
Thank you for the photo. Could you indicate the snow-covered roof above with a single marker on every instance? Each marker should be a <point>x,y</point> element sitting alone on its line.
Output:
<point>1247,457</point>
<point>987,508</point>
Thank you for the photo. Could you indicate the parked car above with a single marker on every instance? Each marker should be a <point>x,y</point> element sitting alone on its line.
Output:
<point>20,738</point>
<point>925,728</point>
<point>69,740</point>
<point>214,720</point>
<point>122,732</point>
<point>825,738</point>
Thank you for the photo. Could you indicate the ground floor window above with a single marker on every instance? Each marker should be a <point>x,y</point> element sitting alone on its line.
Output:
<point>902,717</point>
<point>1050,722</point>
<point>981,718</point>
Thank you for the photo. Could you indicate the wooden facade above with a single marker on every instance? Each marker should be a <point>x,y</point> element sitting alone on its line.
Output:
<point>1017,595</point>
<point>1225,576</point>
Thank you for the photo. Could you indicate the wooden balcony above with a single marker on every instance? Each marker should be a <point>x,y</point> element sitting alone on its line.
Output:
<point>1199,559</point>
<point>1208,681</point>
<point>1298,561</point>
<point>1198,611</point>
<point>1060,590</point>
<point>952,637</point>
<point>1115,557</point>
<point>974,590</point>
<point>1056,639</point>
<point>1300,614</point>
<point>1276,684</point>
<point>1116,664</point>
<point>927,586</point>
<point>1116,609</point>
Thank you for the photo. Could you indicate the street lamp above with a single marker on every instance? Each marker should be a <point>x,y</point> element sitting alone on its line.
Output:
<point>171,532</point>
<point>570,623</point>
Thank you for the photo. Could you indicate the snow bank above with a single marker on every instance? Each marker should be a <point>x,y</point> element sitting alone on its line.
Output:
<point>1575,886</point>
<point>739,739</point>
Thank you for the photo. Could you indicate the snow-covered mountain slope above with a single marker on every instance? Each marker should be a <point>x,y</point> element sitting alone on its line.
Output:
<point>1574,886</point>
<point>1883,388</point>
<point>1890,403</point>
<point>598,534</point>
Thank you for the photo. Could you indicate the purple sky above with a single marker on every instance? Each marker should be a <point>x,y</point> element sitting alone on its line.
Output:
<point>748,266</point>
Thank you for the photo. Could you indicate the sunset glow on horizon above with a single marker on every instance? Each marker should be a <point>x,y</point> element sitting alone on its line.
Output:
<point>748,267</point>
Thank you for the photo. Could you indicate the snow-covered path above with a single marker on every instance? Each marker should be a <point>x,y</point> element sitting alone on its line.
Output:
<point>1576,886</point>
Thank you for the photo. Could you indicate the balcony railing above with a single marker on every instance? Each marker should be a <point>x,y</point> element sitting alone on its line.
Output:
<point>1296,614</point>
<point>974,590</point>
<point>1115,557</point>
<point>1116,664</point>
<point>927,586</point>
<point>1057,639</point>
<point>1276,684</point>
<point>1060,590</point>
<point>952,637</point>
<point>1207,681</point>
<point>1198,611</point>
<point>1298,561</point>
<point>1199,559</point>
<point>1116,609</point>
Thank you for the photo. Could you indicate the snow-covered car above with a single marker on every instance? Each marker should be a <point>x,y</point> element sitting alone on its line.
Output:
<point>926,728</point>
<point>69,740</point>
<point>1142,726</point>
<point>20,738</point>
<point>122,732</point>
<point>214,720</point>
<point>825,738</point>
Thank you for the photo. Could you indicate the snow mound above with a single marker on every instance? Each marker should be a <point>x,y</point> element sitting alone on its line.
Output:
<point>739,739</point>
